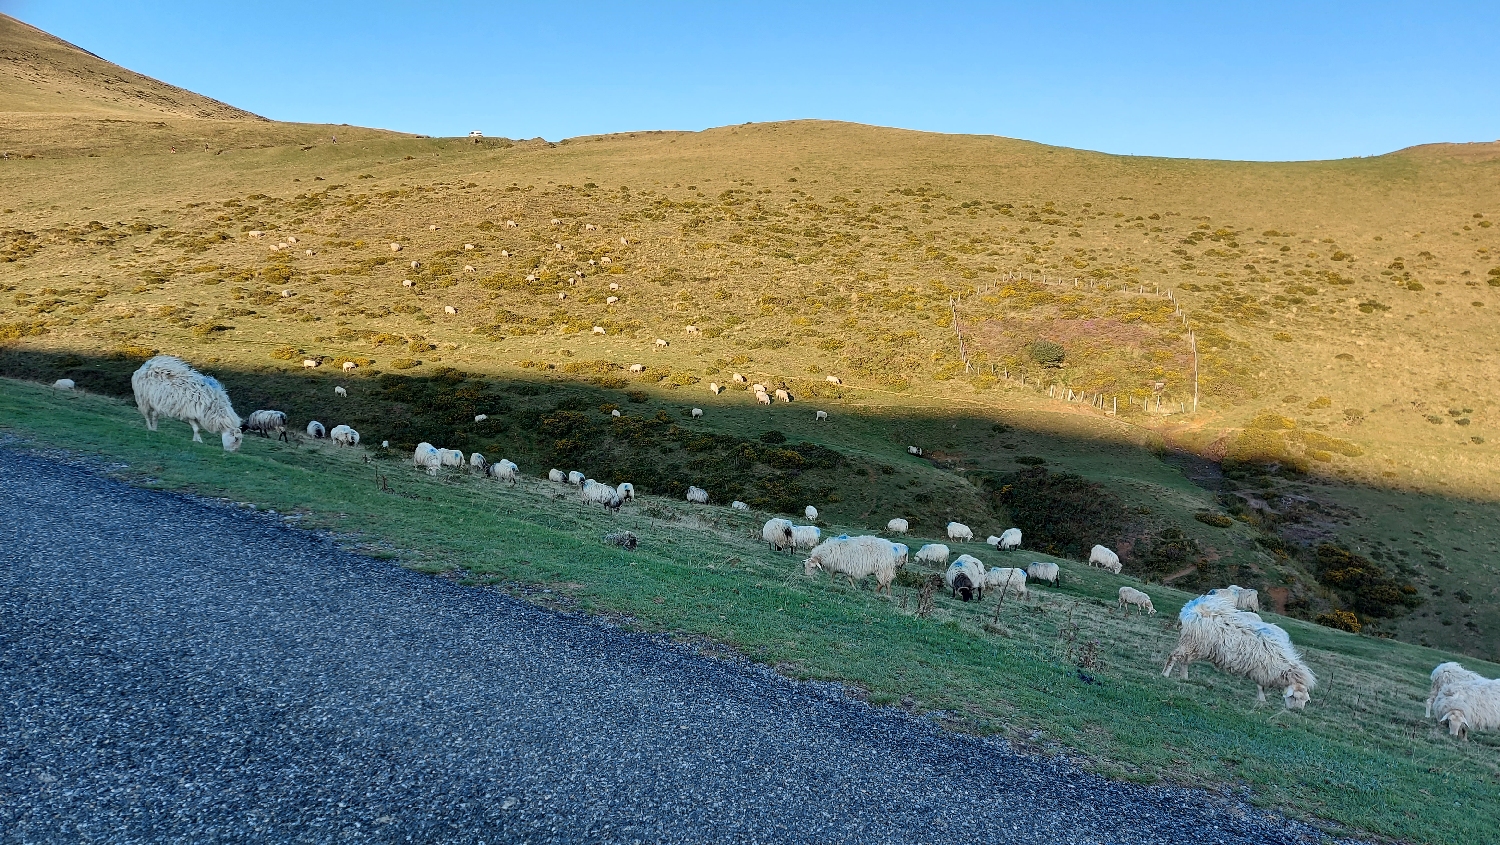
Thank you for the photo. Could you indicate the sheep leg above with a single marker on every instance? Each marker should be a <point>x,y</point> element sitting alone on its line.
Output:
<point>1260,695</point>
<point>196,437</point>
<point>151,420</point>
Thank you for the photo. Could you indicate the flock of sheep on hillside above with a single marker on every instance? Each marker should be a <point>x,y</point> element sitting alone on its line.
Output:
<point>1222,628</point>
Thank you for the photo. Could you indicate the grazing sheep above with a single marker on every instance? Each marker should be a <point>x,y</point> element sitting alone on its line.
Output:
<point>406,283</point>
<point>449,309</point>
<point>349,365</point>
<point>623,539</point>
<point>427,456</point>
<point>469,268</point>
<point>626,491</point>
<point>511,224</point>
<point>1006,579</point>
<point>758,387</point>
<point>783,395</point>
<point>468,246</point>
<point>1240,643</point>
<point>959,531</point>
<point>1105,558</point>
<point>503,470</point>
<point>596,493</point>
<point>805,536</point>
<point>1240,597</point>
<point>637,368</point>
<point>900,553</point>
<point>697,412</point>
<point>693,330</point>
<point>935,553</point>
<point>556,475</point>
<point>777,533</point>
<point>811,513</point>
<point>316,431</point>
<point>762,398</point>
<point>834,380</point>
<point>1446,674</point>
<point>267,423</point>
<point>1040,570</point>
<point>395,247</point>
<point>166,386</point>
<point>340,391</point>
<point>1010,538</point>
<point>385,444</point>
<point>992,540</point>
<point>739,379</point>
<point>576,478</point>
<point>739,505</point>
<point>856,558</point>
<point>1468,705</point>
<point>914,450</point>
<point>598,330</point>
<point>615,412</point>
<point>660,342</point>
<point>697,495</point>
<point>1131,597</point>
<point>965,578</point>
<point>714,388</point>
<point>343,435</point>
<point>451,458</point>
<point>309,363</point>
<point>898,526</point>
<point>481,417</point>
<point>64,384</point>
<point>820,415</point>
<point>612,285</point>
<point>477,461</point>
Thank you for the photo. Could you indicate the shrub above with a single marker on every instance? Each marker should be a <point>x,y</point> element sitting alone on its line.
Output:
<point>286,353</point>
<point>1060,513</point>
<point>1340,619</point>
<point>1364,583</point>
<point>773,437</point>
<point>1030,460</point>
<point>636,396</point>
<point>405,363</point>
<point>1166,553</point>
<point>1217,520</point>
<point>1046,353</point>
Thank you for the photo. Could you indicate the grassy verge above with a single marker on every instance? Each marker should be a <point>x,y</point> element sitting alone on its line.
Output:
<point>1360,756</point>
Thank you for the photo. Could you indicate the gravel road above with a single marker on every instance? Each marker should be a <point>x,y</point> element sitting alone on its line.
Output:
<point>177,670</point>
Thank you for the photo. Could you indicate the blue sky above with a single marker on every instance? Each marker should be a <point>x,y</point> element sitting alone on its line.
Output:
<point>1266,81</point>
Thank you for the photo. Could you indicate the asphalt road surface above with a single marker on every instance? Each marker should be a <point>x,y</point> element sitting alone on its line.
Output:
<point>177,670</point>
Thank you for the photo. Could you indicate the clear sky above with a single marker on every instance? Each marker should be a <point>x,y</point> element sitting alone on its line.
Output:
<point>1268,80</point>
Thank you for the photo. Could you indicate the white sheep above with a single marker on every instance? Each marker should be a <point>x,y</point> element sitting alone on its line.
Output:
<point>1041,570</point>
<point>309,363</point>
<point>395,247</point>
<point>762,398</point>
<point>427,456</point>
<point>1010,538</point>
<point>64,384</point>
<point>934,553</point>
<point>1105,558</point>
<point>758,387</point>
<point>660,342</point>
<point>739,505</point>
<point>343,435</point>
<point>805,536</point>
<point>914,450</point>
<point>468,246</point>
<point>481,417</point>
<point>166,386</point>
<point>992,540</point>
<point>811,513</point>
<point>451,458</point>
<point>469,268</point>
<point>349,365</point>
<point>598,330</point>
<point>693,330</point>
<point>1241,597</point>
<point>266,423</point>
<point>1240,643</point>
<point>898,526</point>
<point>1446,674</point>
<point>477,461</point>
<point>626,491</point>
<point>407,283</point>
<point>615,412</point>
<point>856,558</point>
<point>1131,597</point>
<point>504,470</point>
<point>576,478</point>
<point>611,300</point>
<point>597,493</point>
<point>697,495</point>
<point>339,390</point>
<point>834,380</point>
<point>965,578</point>
<point>1468,706</point>
<point>449,309</point>
<point>820,415</point>
<point>697,412</point>
<point>1006,579</point>
<point>637,368</point>
<point>556,476</point>
<point>739,379</point>
<point>612,285</point>
<point>777,533</point>
<point>316,431</point>
<point>783,395</point>
<point>511,224</point>
<point>959,531</point>
<point>714,388</point>
<point>900,553</point>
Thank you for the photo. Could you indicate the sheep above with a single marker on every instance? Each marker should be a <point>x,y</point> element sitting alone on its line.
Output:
<point>805,536</point>
<point>1131,597</point>
<point>898,526</point>
<point>739,505</point>
<point>783,395</point>
<point>407,283</point>
<point>1468,705</point>
<point>714,388</point>
<point>556,476</point>
<point>626,491</point>
<point>855,558</point>
<point>935,553</point>
<point>834,380</point>
<point>395,247</point>
<point>1240,597</point>
<point>739,379</point>
<point>900,553</point>
<point>662,343</point>
<point>416,264</point>
<point>469,268</point>
<point>266,423</point>
<point>343,435</point>
<point>1104,558</point>
<point>637,368</point>
<point>316,431</point>
<point>503,470</point>
<point>1447,674</point>
<point>762,399</point>
<point>1240,643</point>
<point>1041,570</point>
<point>1010,538</point>
<point>692,330</point>
<point>1006,579</point>
<point>468,247</point>
<point>914,450</point>
<point>449,309</point>
<point>992,540</point>
<point>64,384</point>
<point>428,457</point>
<point>511,224</point>
<point>481,417</point>
<point>611,300</point>
<point>697,412</point>
<point>697,495</point>
<point>339,390</point>
<point>385,444</point>
<point>598,330</point>
<point>623,539</point>
<point>819,416</point>
<point>777,533</point>
<point>451,458</point>
<point>614,412</point>
<point>477,461</point>
<point>596,493</point>
<point>612,285</point>
<point>811,513</point>
<point>309,363</point>
<point>965,578</point>
<point>349,365</point>
<point>758,387</point>
<point>576,478</point>
<point>167,386</point>
<point>959,531</point>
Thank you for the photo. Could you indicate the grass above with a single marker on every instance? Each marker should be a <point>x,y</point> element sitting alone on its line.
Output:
<point>1360,756</point>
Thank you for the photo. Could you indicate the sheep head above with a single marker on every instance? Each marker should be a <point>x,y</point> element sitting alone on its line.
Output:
<point>232,439</point>
<point>1295,697</point>
<point>811,565</point>
<point>963,587</point>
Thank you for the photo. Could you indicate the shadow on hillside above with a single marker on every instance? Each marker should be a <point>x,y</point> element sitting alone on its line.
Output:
<point>1244,531</point>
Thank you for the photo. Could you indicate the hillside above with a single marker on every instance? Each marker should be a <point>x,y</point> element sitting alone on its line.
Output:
<point>1338,308</point>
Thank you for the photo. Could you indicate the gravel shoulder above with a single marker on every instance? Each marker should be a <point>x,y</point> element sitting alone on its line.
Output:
<point>176,670</point>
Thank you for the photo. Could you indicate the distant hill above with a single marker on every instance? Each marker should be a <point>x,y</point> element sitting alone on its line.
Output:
<point>41,73</point>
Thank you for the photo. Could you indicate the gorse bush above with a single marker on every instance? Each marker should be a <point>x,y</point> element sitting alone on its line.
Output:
<point>1059,513</point>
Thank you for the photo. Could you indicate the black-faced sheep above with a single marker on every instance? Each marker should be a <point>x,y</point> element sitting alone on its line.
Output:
<point>626,491</point>
<point>576,478</point>
<point>316,431</point>
<point>1240,643</point>
<point>965,578</point>
<point>777,533</point>
<point>596,493</point>
<point>556,476</point>
<point>166,386</point>
<point>504,470</point>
